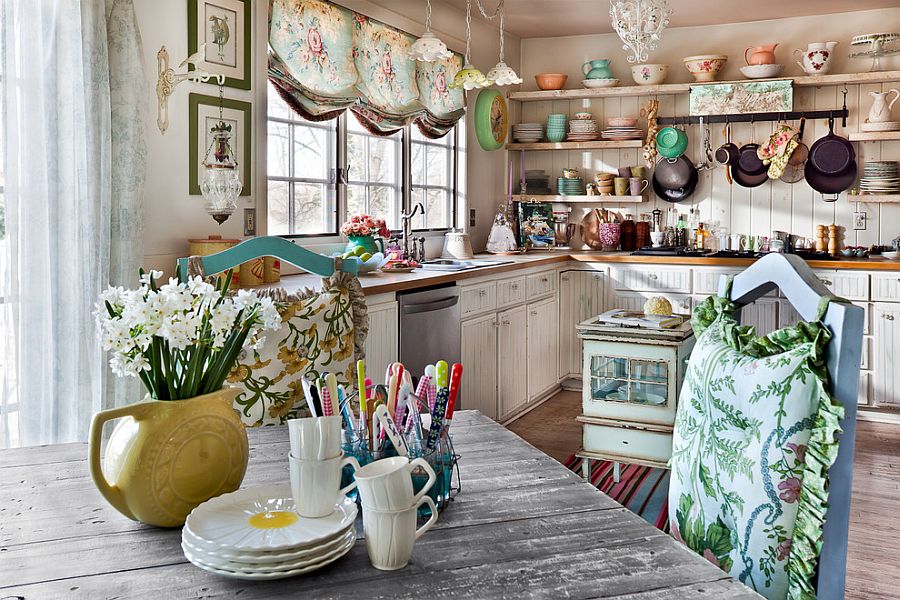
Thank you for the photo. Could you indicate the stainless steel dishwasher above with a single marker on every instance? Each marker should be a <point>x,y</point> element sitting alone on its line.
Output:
<point>429,327</point>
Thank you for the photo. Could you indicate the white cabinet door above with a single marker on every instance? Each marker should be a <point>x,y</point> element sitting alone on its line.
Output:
<point>581,295</point>
<point>383,342</point>
<point>478,389</point>
<point>512,362</point>
<point>885,377</point>
<point>543,347</point>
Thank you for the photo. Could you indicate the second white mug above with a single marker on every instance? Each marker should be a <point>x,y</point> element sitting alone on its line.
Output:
<point>314,484</point>
<point>386,484</point>
<point>391,535</point>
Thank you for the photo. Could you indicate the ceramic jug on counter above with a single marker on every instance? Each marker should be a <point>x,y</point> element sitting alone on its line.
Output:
<point>881,108</point>
<point>760,55</point>
<point>597,69</point>
<point>816,59</point>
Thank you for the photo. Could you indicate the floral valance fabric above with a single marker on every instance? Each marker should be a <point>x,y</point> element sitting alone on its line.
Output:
<point>325,59</point>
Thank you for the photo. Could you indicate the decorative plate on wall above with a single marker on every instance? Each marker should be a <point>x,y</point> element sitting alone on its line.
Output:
<point>491,119</point>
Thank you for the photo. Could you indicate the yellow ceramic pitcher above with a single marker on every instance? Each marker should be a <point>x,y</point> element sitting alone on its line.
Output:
<point>166,457</point>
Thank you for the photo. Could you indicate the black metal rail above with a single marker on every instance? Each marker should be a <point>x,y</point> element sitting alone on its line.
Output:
<point>795,115</point>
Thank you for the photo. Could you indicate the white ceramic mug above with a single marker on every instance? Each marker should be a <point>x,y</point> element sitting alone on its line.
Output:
<point>386,484</point>
<point>391,535</point>
<point>314,484</point>
<point>315,438</point>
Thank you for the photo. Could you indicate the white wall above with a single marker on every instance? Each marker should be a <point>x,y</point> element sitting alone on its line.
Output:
<point>172,216</point>
<point>776,205</point>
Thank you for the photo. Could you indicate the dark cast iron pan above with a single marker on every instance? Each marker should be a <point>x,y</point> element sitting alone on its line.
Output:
<point>676,194</point>
<point>832,154</point>
<point>830,186</point>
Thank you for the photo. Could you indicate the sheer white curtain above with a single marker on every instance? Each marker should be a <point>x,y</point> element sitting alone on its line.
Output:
<point>72,90</point>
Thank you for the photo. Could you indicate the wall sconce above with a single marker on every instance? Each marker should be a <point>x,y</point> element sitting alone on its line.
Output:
<point>167,79</point>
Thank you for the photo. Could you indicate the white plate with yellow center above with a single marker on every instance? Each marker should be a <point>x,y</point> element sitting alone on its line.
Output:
<point>221,558</point>
<point>262,519</point>
<point>278,574</point>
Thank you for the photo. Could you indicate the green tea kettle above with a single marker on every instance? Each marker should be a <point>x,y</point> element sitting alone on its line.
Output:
<point>597,69</point>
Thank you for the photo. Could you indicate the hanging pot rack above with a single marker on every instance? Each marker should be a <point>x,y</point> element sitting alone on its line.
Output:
<point>793,115</point>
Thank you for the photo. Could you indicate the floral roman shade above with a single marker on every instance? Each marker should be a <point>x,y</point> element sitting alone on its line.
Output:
<point>325,59</point>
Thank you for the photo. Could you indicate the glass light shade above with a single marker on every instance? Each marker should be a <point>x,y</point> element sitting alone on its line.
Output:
<point>220,187</point>
<point>502,74</point>
<point>429,48</point>
<point>639,24</point>
<point>470,78</point>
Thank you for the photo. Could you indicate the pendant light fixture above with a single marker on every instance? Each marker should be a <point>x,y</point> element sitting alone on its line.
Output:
<point>469,77</point>
<point>220,180</point>
<point>502,74</point>
<point>429,47</point>
<point>639,24</point>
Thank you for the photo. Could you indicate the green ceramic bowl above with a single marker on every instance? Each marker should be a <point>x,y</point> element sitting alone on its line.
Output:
<point>671,142</point>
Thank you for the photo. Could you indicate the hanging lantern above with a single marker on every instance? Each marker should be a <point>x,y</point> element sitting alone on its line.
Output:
<point>502,74</point>
<point>220,179</point>
<point>469,77</point>
<point>429,47</point>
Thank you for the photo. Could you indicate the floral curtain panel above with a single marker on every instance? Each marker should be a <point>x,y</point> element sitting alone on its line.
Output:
<point>326,58</point>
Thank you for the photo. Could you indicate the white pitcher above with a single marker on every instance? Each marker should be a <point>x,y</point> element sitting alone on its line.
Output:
<point>816,59</point>
<point>881,108</point>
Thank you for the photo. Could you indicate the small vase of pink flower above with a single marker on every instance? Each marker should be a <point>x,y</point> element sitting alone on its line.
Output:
<point>361,230</point>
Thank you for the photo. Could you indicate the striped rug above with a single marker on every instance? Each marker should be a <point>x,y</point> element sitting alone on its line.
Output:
<point>642,490</point>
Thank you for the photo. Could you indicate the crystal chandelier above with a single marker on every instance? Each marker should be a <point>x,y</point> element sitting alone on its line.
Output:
<point>429,47</point>
<point>220,182</point>
<point>469,77</point>
<point>501,74</point>
<point>639,23</point>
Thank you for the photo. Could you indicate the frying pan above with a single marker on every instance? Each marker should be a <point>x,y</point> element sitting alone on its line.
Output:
<point>749,162</point>
<point>676,194</point>
<point>830,185</point>
<point>793,171</point>
<point>832,154</point>
<point>673,173</point>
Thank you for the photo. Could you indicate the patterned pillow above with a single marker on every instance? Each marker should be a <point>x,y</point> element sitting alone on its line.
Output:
<point>318,334</point>
<point>754,437</point>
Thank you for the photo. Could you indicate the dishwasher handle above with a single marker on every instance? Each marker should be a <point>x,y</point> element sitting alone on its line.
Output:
<point>411,309</point>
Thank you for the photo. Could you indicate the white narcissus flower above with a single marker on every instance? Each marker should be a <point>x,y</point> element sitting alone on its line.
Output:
<point>145,278</point>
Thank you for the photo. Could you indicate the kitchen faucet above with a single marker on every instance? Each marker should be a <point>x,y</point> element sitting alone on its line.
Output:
<point>416,253</point>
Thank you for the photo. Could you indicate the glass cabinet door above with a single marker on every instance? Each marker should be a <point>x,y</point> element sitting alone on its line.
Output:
<point>631,380</point>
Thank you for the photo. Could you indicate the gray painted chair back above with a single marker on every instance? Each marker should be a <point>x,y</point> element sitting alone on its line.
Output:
<point>802,288</point>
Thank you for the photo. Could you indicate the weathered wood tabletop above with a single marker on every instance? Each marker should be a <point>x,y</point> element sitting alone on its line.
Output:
<point>522,526</point>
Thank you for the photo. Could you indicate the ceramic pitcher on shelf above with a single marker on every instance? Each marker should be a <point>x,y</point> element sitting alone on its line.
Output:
<point>881,108</point>
<point>597,69</point>
<point>760,55</point>
<point>816,59</point>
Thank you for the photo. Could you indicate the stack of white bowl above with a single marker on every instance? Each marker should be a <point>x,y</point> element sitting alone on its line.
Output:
<point>528,132</point>
<point>256,534</point>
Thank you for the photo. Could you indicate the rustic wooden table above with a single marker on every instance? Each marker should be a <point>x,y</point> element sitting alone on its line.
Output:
<point>523,526</point>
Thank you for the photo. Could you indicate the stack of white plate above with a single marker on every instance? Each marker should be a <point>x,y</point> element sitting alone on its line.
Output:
<point>582,130</point>
<point>622,133</point>
<point>528,132</point>
<point>256,534</point>
<point>880,177</point>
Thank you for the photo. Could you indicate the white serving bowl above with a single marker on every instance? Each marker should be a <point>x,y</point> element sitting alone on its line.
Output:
<point>705,67</point>
<point>649,73</point>
<point>891,255</point>
<point>762,71</point>
<point>599,83</point>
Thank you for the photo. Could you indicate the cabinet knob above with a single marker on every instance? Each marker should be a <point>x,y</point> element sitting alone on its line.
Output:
<point>888,317</point>
<point>827,281</point>
<point>544,279</point>
<point>515,286</point>
<point>534,313</point>
<point>504,322</point>
<point>481,292</point>
<point>565,277</point>
<point>652,276</point>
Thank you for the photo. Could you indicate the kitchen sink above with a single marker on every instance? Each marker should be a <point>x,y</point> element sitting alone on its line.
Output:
<point>453,264</point>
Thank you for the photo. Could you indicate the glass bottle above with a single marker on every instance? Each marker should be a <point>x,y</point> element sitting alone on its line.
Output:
<point>700,237</point>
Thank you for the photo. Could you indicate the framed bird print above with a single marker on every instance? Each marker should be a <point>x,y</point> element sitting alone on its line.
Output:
<point>220,31</point>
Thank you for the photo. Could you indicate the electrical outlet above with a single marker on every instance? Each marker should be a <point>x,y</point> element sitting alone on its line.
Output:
<point>859,221</point>
<point>471,217</point>
<point>249,221</point>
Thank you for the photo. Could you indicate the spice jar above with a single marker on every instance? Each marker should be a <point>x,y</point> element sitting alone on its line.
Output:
<point>628,235</point>
<point>642,234</point>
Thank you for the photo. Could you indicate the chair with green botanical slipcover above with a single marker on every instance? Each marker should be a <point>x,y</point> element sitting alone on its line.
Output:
<point>763,444</point>
<point>323,330</point>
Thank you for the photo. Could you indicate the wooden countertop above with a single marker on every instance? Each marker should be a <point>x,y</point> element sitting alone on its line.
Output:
<point>380,283</point>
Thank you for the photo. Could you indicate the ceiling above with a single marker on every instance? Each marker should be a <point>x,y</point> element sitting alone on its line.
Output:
<point>553,18</point>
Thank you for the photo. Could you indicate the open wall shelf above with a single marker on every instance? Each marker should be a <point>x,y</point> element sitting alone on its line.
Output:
<point>583,199</point>
<point>666,89</point>
<point>879,198</point>
<point>875,136</point>
<point>596,145</point>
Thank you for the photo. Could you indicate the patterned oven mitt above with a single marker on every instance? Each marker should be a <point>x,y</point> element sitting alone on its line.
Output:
<point>778,149</point>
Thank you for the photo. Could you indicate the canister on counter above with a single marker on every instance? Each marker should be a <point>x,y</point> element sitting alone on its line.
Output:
<point>642,234</point>
<point>272,272</point>
<point>253,272</point>
<point>212,245</point>
<point>628,236</point>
